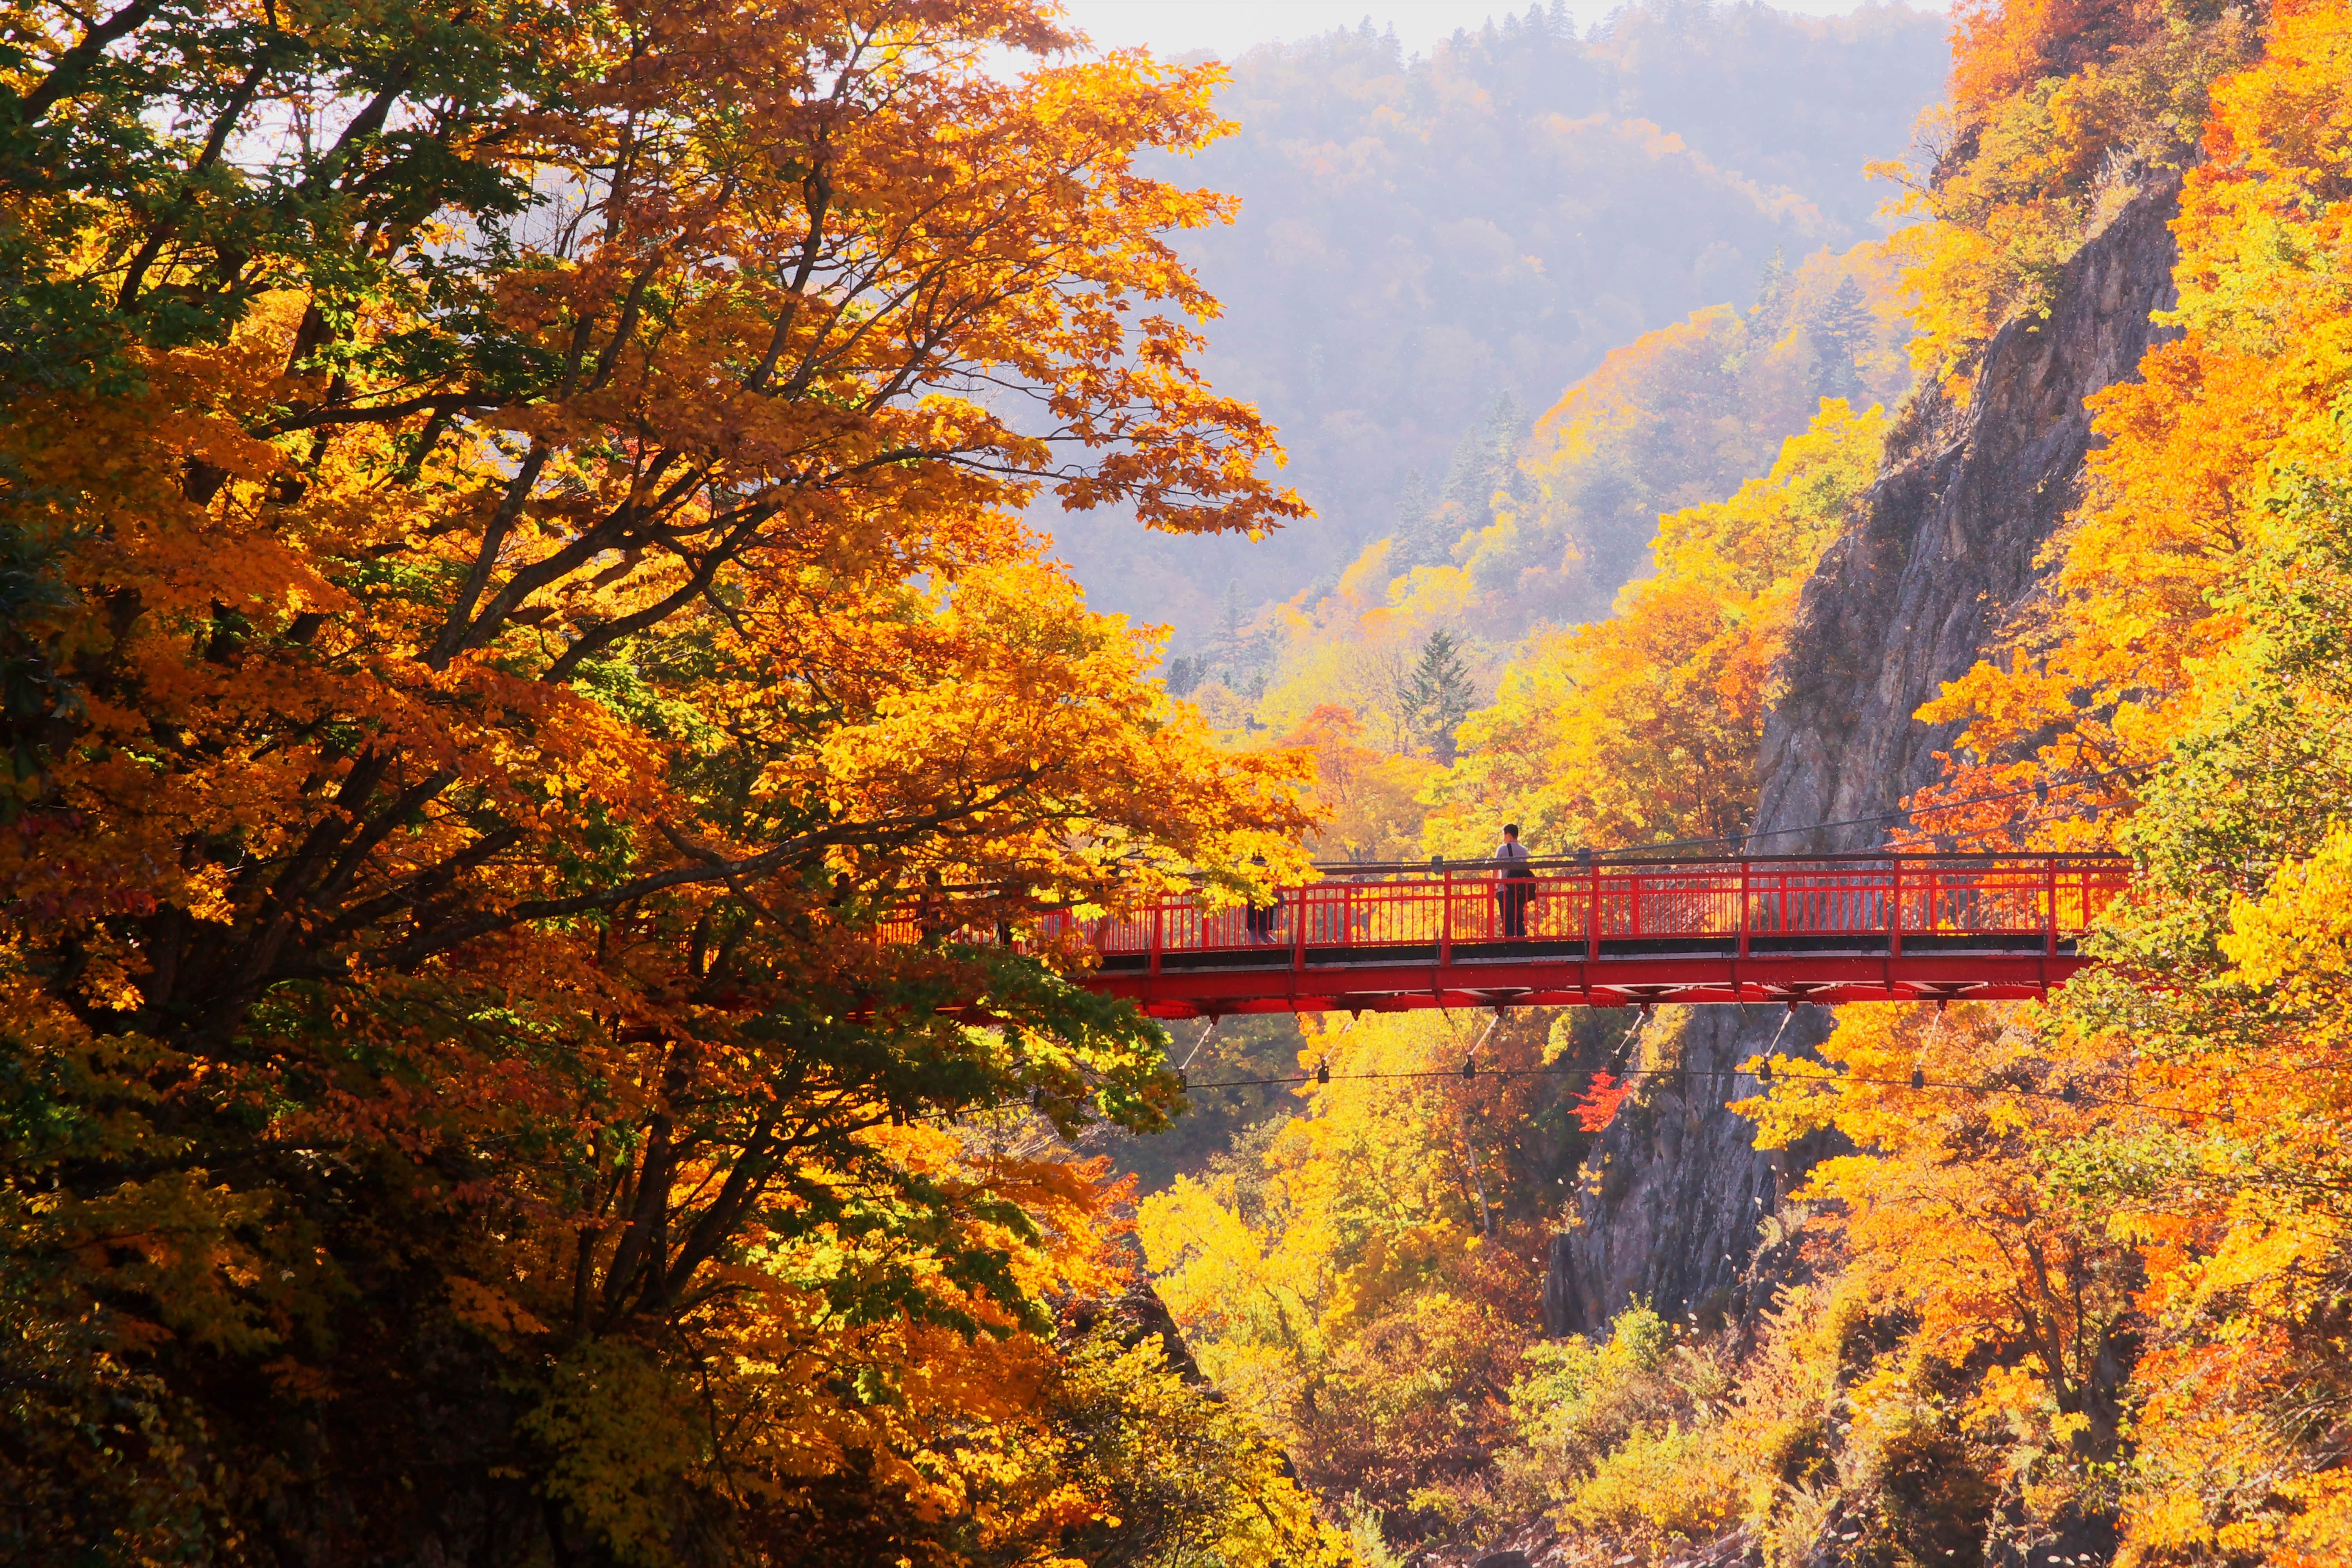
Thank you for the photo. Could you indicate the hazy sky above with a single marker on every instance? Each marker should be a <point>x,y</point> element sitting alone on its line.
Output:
<point>1229,26</point>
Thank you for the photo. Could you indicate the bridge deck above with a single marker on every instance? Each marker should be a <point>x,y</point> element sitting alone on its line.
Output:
<point>1765,928</point>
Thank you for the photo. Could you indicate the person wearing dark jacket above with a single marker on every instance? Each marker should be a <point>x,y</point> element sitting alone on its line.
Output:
<point>1515,885</point>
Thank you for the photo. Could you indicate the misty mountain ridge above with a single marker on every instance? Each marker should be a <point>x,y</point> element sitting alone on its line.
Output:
<point>1425,240</point>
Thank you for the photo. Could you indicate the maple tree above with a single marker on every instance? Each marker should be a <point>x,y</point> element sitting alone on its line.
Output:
<point>514,578</point>
<point>1363,1274</point>
<point>1597,1107</point>
<point>2018,1298</point>
<point>2061,112</point>
<point>2225,993</point>
<point>1366,798</point>
<point>2177,510</point>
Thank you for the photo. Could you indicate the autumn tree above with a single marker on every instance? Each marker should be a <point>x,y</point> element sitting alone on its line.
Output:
<point>2225,991</point>
<point>511,531</point>
<point>1646,726</point>
<point>1367,800</point>
<point>2183,671</point>
<point>2059,113</point>
<point>1392,1225</point>
<point>2011,1287</point>
<point>2141,597</point>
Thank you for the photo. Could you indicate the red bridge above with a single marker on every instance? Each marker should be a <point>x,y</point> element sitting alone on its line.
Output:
<point>1864,928</point>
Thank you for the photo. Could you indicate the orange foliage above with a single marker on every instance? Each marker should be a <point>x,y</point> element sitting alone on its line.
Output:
<point>1597,1106</point>
<point>1389,1226</point>
<point>2103,673</point>
<point>2151,1168</point>
<point>2000,47</point>
<point>1949,1212</point>
<point>505,600</point>
<point>2062,113</point>
<point>1366,799</point>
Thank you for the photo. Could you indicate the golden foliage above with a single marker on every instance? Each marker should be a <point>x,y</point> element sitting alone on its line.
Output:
<point>513,582</point>
<point>2061,111</point>
<point>1645,727</point>
<point>1358,1275</point>
<point>1366,798</point>
<point>2124,1216</point>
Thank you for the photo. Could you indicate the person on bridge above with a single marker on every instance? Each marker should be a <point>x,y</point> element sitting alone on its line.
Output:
<point>1515,885</point>
<point>1258,916</point>
<point>931,910</point>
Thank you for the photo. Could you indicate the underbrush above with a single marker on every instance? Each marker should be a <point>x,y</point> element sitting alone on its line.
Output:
<point>1834,1430</point>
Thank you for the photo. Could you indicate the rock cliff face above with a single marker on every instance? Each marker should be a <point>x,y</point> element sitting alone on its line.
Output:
<point>1667,1207</point>
<point>1942,550</point>
<point>1944,545</point>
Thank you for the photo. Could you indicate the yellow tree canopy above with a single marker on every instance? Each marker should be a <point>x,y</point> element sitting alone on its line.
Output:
<point>2118,1221</point>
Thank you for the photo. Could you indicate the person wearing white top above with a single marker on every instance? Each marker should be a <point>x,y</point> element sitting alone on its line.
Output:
<point>1514,885</point>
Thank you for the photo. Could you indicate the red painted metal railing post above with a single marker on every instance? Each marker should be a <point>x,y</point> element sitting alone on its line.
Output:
<point>1894,919</point>
<point>1159,919</point>
<point>1445,921</point>
<point>1744,867</point>
<point>1592,914</point>
<point>1299,931</point>
<point>2050,905</point>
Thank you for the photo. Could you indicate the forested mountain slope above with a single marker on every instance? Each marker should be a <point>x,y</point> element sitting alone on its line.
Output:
<point>1529,538</point>
<point>1419,238</point>
<point>2061,1281</point>
<point>544,792</point>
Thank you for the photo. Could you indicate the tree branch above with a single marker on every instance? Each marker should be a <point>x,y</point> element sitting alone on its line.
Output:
<point>76,61</point>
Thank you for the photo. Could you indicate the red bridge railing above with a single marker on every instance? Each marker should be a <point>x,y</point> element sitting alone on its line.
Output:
<point>1830,929</point>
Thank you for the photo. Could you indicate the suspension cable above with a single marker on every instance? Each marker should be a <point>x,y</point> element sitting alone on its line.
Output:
<point>2070,1094</point>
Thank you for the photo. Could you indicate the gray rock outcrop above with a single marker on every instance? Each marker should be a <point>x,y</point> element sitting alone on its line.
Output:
<point>1945,547</point>
<point>1670,1202</point>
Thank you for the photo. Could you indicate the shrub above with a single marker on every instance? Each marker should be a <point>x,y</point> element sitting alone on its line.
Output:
<point>1657,1488</point>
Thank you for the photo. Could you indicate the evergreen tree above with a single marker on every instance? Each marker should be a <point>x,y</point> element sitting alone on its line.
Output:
<point>1438,693</point>
<point>1506,435</point>
<point>1503,426</point>
<point>1468,481</point>
<point>1421,533</point>
<point>1841,331</point>
<point>1486,460</point>
<point>1770,314</point>
<point>1414,506</point>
